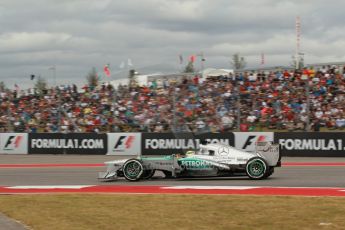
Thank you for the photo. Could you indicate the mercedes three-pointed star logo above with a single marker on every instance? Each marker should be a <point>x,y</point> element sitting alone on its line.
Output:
<point>223,151</point>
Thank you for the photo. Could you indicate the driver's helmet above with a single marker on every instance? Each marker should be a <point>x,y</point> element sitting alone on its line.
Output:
<point>190,152</point>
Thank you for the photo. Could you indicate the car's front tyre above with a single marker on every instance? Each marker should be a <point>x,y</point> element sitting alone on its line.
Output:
<point>257,168</point>
<point>132,170</point>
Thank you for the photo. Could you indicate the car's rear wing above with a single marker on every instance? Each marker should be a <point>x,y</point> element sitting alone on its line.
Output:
<point>269,151</point>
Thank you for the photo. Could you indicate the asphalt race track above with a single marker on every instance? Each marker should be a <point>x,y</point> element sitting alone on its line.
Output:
<point>23,174</point>
<point>83,170</point>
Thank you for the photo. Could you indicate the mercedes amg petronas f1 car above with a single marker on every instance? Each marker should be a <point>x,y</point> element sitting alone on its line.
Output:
<point>210,160</point>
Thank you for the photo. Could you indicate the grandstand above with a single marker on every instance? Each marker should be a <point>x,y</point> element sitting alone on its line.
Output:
<point>277,99</point>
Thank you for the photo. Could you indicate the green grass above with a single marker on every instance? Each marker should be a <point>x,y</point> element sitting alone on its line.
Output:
<point>174,212</point>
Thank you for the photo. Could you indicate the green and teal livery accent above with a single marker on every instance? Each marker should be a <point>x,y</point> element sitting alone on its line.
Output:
<point>164,158</point>
<point>195,164</point>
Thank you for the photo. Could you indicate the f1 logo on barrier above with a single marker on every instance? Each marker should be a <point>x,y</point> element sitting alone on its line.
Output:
<point>13,142</point>
<point>252,139</point>
<point>247,140</point>
<point>124,142</point>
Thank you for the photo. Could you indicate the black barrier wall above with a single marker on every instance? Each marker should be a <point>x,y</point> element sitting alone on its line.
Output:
<point>179,143</point>
<point>299,144</point>
<point>311,144</point>
<point>71,143</point>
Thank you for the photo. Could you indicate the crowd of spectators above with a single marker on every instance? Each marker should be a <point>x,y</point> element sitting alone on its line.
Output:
<point>279,100</point>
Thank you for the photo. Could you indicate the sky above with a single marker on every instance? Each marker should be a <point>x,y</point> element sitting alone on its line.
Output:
<point>77,35</point>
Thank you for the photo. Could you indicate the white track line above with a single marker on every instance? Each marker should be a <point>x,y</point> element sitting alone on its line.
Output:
<point>50,187</point>
<point>211,187</point>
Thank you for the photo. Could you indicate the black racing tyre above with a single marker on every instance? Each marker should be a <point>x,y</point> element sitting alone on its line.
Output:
<point>132,170</point>
<point>119,173</point>
<point>167,174</point>
<point>147,174</point>
<point>270,171</point>
<point>257,168</point>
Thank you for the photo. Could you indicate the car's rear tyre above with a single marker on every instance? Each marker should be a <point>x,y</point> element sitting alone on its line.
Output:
<point>132,170</point>
<point>147,174</point>
<point>257,168</point>
<point>270,171</point>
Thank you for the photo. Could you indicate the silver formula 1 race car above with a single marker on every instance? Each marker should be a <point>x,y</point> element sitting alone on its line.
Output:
<point>210,160</point>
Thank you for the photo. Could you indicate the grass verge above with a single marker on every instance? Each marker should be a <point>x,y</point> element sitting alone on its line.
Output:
<point>104,212</point>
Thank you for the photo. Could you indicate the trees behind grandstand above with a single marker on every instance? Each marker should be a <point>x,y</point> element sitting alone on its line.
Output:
<point>41,86</point>
<point>189,67</point>
<point>2,86</point>
<point>297,61</point>
<point>132,78</point>
<point>238,62</point>
<point>92,78</point>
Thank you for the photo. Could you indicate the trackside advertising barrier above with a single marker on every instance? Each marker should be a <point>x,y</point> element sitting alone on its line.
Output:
<point>299,144</point>
<point>71,143</point>
<point>13,143</point>
<point>312,144</point>
<point>179,143</point>
<point>124,144</point>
